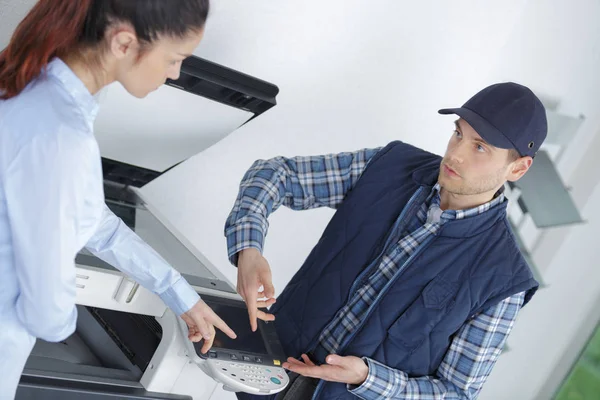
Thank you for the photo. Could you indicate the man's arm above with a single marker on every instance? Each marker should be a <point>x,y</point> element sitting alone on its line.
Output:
<point>465,368</point>
<point>300,183</point>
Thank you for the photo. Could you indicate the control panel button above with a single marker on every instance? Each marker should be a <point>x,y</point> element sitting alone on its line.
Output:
<point>258,360</point>
<point>245,358</point>
<point>212,354</point>
<point>234,357</point>
<point>275,381</point>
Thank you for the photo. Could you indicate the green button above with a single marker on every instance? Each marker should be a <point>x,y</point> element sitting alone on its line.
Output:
<point>276,381</point>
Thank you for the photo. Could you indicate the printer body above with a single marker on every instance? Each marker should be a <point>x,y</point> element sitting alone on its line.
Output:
<point>129,345</point>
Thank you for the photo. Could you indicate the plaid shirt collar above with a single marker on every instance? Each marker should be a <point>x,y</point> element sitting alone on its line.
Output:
<point>435,213</point>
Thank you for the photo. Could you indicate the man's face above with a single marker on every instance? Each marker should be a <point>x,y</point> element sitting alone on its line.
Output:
<point>471,166</point>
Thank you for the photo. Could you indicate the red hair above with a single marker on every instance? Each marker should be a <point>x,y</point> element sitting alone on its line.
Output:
<point>52,28</point>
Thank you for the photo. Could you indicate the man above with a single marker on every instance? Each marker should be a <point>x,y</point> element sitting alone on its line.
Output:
<point>417,280</point>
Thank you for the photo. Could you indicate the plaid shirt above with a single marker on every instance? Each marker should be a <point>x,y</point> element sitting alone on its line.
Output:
<point>307,182</point>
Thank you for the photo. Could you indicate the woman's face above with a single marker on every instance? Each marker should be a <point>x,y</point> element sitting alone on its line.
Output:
<point>161,61</point>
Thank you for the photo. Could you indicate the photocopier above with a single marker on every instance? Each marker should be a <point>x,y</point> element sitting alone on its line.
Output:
<point>129,345</point>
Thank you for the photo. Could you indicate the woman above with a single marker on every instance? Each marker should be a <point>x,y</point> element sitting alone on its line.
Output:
<point>51,190</point>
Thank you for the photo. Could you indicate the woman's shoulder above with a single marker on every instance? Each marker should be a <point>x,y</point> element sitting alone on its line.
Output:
<point>42,111</point>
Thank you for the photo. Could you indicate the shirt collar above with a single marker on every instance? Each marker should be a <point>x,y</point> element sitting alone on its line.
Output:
<point>434,202</point>
<point>75,87</point>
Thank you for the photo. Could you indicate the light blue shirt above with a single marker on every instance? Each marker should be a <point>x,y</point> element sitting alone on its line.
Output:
<point>51,206</point>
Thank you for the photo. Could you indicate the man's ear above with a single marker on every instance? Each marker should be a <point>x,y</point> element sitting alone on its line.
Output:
<point>518,168</point>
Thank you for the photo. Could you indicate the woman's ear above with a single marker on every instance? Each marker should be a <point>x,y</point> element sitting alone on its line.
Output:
<point>123,42</point>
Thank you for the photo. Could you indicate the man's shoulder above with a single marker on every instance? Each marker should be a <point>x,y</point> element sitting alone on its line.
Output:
<point>504,250</point>
<point>401,148</point>
<point>399,157</point>
<point>511,242</point>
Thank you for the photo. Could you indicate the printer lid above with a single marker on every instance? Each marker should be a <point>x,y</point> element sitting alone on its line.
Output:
<point>140,139</point>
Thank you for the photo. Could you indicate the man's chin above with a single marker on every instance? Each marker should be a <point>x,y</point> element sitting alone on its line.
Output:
<point>446,183</point>
<point>450,187</point>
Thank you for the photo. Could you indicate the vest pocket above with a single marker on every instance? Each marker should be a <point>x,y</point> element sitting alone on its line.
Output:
<point>438,293</point>
<point>417,322</point>
<point>407,332</point>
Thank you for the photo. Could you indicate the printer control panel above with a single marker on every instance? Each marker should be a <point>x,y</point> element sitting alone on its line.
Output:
<point>238,371</point>
<point>248,377</point>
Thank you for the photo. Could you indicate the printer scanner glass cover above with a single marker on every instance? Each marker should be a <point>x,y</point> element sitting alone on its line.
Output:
<point>250,363</point>
<point>261,347</point>
<point>237,319</point>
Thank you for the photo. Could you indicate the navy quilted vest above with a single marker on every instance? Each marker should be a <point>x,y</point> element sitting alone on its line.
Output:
<point>469,265</point>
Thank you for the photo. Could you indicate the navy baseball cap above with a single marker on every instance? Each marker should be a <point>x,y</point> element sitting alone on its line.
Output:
<point>506,115</point>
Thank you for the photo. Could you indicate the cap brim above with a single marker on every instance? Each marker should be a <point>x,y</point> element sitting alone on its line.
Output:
<point>487,131</point>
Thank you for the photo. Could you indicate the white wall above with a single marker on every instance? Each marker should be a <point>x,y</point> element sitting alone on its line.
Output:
<point>356,74</point>
<point>11,12</point>
<point>349,78</point>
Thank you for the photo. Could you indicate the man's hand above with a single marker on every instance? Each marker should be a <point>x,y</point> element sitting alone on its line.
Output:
<point>202,321</point>
<point>350,370</point>
<point>254,272</point>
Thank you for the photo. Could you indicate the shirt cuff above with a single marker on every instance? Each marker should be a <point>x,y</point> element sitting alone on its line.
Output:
<point>243,236</point>
<point>382,382</point>
<point>180,297</point>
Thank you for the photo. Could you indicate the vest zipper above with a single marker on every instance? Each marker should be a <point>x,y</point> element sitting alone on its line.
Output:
<point>361,276</point>
<point>376,260</point>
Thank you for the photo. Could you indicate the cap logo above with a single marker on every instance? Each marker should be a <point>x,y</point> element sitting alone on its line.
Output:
<point>530,145</point>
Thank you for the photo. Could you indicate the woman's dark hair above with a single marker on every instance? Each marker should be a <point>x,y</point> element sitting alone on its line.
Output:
<point>54,28</point>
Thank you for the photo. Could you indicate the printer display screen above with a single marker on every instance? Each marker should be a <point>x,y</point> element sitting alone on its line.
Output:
<point>237,319</point>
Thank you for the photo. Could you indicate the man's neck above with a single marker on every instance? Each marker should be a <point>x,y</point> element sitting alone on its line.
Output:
<point>452,201</point>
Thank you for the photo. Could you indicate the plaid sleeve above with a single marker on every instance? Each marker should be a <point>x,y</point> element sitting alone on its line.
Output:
<point>300,183</point>
<point>464,369</point>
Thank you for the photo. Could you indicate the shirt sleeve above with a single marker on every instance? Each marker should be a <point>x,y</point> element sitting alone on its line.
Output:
<point>43,186</point>
<point>300,183</point>
<point>115,243</point>
<point>464,369</point>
